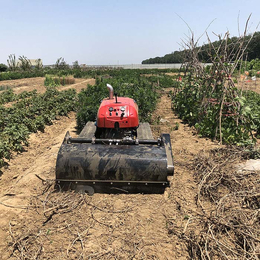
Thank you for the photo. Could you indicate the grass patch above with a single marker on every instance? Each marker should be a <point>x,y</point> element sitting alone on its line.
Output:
<point>54,80</point>
<point>3,87</point>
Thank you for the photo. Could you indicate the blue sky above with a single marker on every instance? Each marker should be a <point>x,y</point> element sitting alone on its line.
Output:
<point>100,32</point>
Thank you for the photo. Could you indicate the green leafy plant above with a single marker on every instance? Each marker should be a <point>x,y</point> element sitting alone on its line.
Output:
<point>3,67</point>
<point>29,114</point>
<point>52,80</point>
<point>209,99</point>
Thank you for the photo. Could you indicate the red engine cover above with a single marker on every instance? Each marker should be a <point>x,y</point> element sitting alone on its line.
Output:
<point>125,112</point>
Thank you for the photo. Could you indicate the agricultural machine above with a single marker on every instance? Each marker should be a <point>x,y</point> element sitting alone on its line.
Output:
<point>116,153</point>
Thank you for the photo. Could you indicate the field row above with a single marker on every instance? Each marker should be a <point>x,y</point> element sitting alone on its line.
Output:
<point>232,118</point>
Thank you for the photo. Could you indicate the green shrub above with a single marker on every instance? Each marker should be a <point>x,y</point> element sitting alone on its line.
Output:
<point>202,105</point>
<point>3,67</point>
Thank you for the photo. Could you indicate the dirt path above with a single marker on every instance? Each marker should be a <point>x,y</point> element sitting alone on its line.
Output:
<point>29,84</point>
<point>80,84</point>
<point>185,146</point>
<point>104,226</point>
<point>19,182</point>
<point>250,85</point>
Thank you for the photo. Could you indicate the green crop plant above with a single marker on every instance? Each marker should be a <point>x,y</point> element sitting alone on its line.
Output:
<point>3,87</point>
<point>53,80</point>
<point>209,99</point>
<point>30,113</point>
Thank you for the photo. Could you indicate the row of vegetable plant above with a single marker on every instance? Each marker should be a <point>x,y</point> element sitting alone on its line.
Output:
<point>29,115</point>
<point>197,101</point>
<point>32,111</point>
<point>10,96</point>
<point>79,72</point>
<point>219,111</point>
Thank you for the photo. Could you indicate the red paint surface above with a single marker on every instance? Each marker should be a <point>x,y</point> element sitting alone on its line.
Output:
<point>107,119</point>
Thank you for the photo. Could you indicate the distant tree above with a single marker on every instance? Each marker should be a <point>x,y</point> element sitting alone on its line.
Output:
<point>174,57</point>
<point>12,63</point>
<point>3,67</point>
<point>207,51</point>
<point>75,65</point>
<point>25,64</point>
<point>253,49</point>
<point>61,64</point>
<point>38,64</point>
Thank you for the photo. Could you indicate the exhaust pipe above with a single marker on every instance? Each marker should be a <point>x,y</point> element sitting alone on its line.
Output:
<point>111,91</point>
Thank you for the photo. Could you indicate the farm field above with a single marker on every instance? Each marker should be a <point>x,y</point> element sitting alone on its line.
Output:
<point>129,131</point>
<point>38,223</point>
<point>30,84</point>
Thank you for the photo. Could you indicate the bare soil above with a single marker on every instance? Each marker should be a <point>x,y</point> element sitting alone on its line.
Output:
<point>253,85</point>
<point>174,73</point>
<point>29,84</point>
<point>38,223</point>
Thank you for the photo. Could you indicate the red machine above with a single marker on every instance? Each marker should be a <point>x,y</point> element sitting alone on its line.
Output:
<point>117,117</point>
<point>122,113</point>
<point>115,153</point>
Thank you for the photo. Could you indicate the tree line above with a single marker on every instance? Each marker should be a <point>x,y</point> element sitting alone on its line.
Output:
<point>206,51</point>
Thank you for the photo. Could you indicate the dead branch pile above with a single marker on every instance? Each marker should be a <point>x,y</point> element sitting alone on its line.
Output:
<point>29,237</point>
<point>230,201</point>
<point>76,226</point>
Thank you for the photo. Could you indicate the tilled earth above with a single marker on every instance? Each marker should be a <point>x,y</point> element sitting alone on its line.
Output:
<point>38,223</point>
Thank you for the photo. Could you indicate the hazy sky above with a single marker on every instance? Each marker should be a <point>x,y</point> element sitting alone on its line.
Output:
<point>113,32</point>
